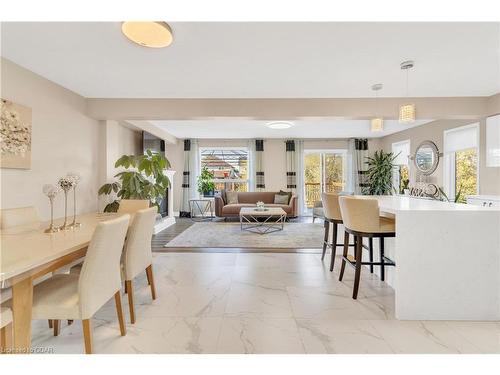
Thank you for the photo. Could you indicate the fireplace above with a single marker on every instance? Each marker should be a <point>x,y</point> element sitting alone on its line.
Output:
<point>166,213</point>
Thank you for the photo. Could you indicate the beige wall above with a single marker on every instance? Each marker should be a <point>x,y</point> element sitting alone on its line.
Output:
<point>489,177</point>
<point>64,139</point>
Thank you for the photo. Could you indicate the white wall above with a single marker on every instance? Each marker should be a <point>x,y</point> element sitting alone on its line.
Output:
<point>64,139</point>
<point>274,159</point>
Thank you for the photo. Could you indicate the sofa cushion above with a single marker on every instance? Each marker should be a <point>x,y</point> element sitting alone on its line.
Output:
<point>287,193</point>
<point>281,199</point>
<point>232,197</point>
<point>285,207</point>
<point>234,209</point>
<point>254,197</point>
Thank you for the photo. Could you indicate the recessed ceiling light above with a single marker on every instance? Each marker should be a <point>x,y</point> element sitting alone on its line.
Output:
<point>279,125</point>
<point>148,34</point>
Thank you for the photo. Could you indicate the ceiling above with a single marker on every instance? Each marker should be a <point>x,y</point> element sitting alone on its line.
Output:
<point>246,129</point>
<point>262,60</point>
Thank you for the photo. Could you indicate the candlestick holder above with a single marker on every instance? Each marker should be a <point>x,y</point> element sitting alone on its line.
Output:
<point>75,177</point>
<point>66,184</point>
<point>51,192</point>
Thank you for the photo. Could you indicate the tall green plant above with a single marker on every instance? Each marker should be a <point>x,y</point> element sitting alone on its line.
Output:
<point>379,173</point>
<point>143,178</point>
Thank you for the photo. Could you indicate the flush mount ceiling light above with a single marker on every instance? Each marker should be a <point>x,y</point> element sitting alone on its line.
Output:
<point>377,123</point>
<point>148,34</point>
<point>407,112</point>
<point>279,125</point>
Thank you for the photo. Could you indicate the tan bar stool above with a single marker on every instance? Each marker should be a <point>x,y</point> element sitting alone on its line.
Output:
<point>5,329</point>
<point>361,218</point>
<point>331,211</point>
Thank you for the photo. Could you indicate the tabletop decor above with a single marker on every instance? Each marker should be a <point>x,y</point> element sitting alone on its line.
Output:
<point>15,135</point>
<point>143,177</point>
<point>260,206</point>
<point>66,184</point>
<point>75,177</point>
<point>51,192</point>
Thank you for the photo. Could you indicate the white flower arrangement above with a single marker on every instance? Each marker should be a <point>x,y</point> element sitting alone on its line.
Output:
<point>75,177</point>
<point>260,204</point>
<point>15,135</point>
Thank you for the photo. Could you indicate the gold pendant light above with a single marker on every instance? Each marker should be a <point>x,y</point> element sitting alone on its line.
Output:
<point>148,34</point>
<point>407,112</point>
<point>377,123</point>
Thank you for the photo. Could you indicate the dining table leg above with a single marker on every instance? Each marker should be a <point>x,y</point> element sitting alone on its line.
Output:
<point>22,303</point>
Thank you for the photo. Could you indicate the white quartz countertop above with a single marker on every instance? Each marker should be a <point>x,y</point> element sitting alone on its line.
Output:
<point>393,203</point>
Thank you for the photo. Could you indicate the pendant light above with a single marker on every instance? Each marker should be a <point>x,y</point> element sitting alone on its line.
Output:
<point>377,123</point>
<point>407,112</point>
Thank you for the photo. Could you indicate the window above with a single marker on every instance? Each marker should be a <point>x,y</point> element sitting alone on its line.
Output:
<point>461,152</point>
<point>401,173</point>
<point>324,171</point>
<point>229,166</point>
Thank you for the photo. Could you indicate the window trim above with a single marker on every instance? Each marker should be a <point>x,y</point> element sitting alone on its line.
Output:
<point>449,165</point>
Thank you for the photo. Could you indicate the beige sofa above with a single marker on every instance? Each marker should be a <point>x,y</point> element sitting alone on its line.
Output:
<point>249,199</point>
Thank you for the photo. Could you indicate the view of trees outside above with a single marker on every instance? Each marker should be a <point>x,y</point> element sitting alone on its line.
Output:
<point>316,165</point>
<point>466,173</point>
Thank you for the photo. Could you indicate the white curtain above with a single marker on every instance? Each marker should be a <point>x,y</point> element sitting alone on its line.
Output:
<point>251,164</point>
<point>299,164</point>
<point>194,161</point>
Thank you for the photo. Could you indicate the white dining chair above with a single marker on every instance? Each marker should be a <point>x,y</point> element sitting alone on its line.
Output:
<point>137,256</point>
<point>12,217</point>
<point>131,206</point>
<point>5,329</point>
<point>80,296</point>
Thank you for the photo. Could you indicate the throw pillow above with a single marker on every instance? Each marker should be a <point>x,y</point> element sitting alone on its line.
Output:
<point>287,193</point>
<point>232,197</point>
<point>223,196</point>
<point>281,199</point>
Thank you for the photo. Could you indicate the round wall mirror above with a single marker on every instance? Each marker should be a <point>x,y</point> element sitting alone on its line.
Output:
<point>426,157</point>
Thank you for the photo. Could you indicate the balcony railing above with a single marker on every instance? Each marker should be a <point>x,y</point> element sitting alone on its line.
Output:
<point>313,191</point>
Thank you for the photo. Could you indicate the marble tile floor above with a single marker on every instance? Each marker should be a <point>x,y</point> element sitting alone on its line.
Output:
<point>265,303</point>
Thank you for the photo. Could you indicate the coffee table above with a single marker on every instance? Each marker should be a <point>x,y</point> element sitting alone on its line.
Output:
<point>262,222</point>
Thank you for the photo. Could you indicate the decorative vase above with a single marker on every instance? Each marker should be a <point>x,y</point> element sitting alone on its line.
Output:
<point>51,192</point>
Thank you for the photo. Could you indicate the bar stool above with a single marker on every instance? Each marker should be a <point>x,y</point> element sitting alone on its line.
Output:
<point>331,212</point>
<point>361,218</point>
<point>5,329</point>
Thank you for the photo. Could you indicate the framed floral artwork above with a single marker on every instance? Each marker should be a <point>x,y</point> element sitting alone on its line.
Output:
<point>15,135</point>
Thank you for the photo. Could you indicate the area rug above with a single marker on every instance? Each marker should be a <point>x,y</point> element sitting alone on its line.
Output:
<point>226,235</point>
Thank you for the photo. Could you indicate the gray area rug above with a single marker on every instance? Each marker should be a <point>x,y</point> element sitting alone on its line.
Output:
<point>294,236</point>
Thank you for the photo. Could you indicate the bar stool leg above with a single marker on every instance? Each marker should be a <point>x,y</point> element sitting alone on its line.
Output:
<point>325,240</point>
<point>370,248</point>
<point>382,265</point>
<point>346,249</point>
<point>357,274</point>
<point>334,245</point>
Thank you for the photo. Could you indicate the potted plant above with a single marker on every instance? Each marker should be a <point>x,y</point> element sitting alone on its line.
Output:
<point>143,178</point>
<point>379,173</point>
<point>206,186</point>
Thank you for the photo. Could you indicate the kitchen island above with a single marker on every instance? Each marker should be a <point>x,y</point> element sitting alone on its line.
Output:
<point>447,259</point>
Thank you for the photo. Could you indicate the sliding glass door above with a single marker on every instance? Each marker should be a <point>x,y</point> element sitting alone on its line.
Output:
<point>324,171</point>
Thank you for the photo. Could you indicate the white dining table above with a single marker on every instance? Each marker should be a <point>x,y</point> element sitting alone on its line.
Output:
<point>28,253</point>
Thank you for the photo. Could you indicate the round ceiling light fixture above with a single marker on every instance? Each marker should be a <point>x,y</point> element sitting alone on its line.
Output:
<point>279,125</point>
<point>153,34</point>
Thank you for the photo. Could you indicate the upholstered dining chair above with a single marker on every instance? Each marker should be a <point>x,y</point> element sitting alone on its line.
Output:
<point>137,255</point>
<point>5,329</point>
<point>362,219</point>
<point>12,217</point>
<point>80,296</point>
<point>130,206</point>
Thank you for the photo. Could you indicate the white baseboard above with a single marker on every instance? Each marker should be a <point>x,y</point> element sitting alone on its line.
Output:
<point>163,224</point>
